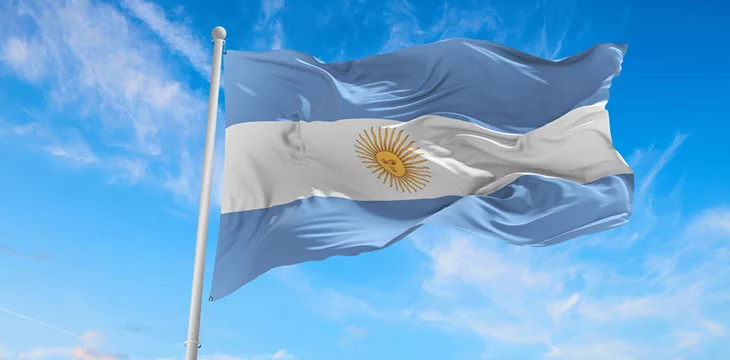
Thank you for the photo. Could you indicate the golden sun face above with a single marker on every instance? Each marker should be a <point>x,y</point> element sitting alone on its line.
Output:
<point>392,159</point>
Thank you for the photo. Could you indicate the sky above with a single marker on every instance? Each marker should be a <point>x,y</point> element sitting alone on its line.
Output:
<point>102,120</point>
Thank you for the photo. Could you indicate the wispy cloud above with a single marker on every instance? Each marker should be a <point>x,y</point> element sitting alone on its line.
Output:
<point>535,29</point>
<point>670,282</point>
<point>558,309</point>
<point>88,349</point>
<point>137,118</point>
<point>279,355</point>
<point>73,148</point>
<point>716,220</point>
<point>41,323</point>
<point>333,304</point>
<point>125,169</point>
<point>24,57</point>
<point>8,250</point>
<point>599,350</point>
<point>658,305</point>
<point>352,335</point>
<point>67,143</point>
<point>50,352</point>
<point>664,158</point>
<point>270,26</point>
<point>177,36</point>
<point>509,279</point>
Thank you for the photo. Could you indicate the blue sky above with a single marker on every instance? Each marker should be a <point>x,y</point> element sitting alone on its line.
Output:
<point>102,115</point>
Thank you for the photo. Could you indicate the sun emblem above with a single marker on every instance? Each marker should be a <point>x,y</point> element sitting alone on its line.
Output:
<point>392,159</point>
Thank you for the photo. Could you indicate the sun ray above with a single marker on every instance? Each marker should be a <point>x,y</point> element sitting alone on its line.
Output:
<point>376,138</point>
<point>367,143</point>
<point>385,141</point>
<point>417,181</point>
<point>416,162</point>
<point>405,149</point>
<point>363,148</point>
<point>397,150</point>
<point>412,157</point>
<point>409,186</point>
<point>400,132</point>
<point>371,141</point>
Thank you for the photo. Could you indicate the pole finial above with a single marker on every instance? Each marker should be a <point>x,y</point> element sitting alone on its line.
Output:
<point>219,33</point>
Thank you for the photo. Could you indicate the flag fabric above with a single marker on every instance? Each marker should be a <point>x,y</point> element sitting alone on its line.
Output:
<point>325,159</point>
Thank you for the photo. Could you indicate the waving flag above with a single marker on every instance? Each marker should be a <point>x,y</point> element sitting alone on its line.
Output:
<point>325,159</point>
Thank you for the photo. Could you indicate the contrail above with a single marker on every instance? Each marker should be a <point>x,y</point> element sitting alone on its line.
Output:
<point>39,322</point>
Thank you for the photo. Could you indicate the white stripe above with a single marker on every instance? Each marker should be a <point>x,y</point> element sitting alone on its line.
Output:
<point>274,163</point>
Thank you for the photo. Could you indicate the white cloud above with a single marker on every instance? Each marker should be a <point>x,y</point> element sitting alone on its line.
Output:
<point>89,354</point>
<point>182,182</point>
<point>341,306</point>
<point>282,354</point>
<point>41,323</point>
<point>713,328</point>
<point>352,334</point>
<point>338,305</point>
<point>558,309</point>
<point>483,324</point>
<point>73,147</point>
<point>510,281</point>
<point>43,353</point>
<point>713,220</point>
<point>525,295</point>
<point>279,355</point>
<point>277,38</point>
<point>584,298</point>
<point>688,339</point>
<point>663,160</point>
<point>24,57</point>
<point>661,306</point>
<point>474,19</point>
<point>67,143</point>
<point>270,26</point>
<point>177,36</point>
<point>87,350</point>
<point>130,170</point>
<point>597,350</point>
<point>405,28</point>
<point>508,277</point>
<point>108,77</point>
<point>271,8</point>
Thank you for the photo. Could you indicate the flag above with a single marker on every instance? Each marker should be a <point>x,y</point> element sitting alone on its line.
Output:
<point>325,159</point>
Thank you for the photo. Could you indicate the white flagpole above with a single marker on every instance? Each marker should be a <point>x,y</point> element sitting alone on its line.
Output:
<point>196,298</point>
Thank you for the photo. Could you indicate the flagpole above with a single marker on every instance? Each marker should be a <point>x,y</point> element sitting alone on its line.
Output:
<point>193,344</point>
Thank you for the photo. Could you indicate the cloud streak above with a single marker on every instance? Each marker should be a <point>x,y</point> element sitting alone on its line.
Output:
<point>11,251</point>
<point>271,25</point>
<point>663,160</point>
<point>475,19</point>
<point>90,341</point>
<point>38,322</point>
<point>139,122</point>
<point>178,37</point>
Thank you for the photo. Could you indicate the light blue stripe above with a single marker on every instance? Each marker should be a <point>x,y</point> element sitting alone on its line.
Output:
<point>532,211</point>
<point>473,80</point>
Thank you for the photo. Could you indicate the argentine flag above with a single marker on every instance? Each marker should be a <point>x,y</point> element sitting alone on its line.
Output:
<point>325,159</point>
